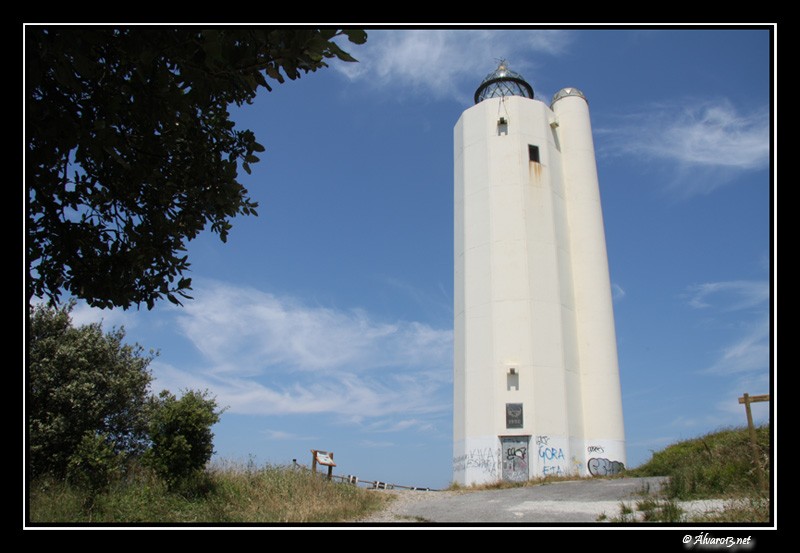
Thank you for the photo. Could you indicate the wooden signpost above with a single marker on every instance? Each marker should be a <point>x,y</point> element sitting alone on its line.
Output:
<point>324,458</point>
<point>747,399</point>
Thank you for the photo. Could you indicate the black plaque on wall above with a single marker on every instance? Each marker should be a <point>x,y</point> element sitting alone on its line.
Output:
<point>513,415</point>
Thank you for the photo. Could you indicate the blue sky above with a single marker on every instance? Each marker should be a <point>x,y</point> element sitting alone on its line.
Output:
<point>326,321</point>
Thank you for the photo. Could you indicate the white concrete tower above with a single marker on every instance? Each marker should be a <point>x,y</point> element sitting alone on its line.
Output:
<point>536,377</point>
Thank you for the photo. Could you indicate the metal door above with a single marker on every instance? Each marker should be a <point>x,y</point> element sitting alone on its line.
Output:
<point>515,457</point>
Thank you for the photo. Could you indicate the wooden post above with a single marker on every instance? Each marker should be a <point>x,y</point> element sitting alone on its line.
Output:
<point>747,399</point>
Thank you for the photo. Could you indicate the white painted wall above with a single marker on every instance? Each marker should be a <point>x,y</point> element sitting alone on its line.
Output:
<point>595,332</point>
<point>531,291</point>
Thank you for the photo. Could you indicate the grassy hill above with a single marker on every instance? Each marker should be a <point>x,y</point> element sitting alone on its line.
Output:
<point>714,465</point>
<point>226,495</point>
<point>718,465</point>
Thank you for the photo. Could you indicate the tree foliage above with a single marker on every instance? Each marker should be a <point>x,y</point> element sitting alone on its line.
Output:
<point>180,432</point>
<point>90,409</point>
<point>87,394</point>
<point>94,464</point>
<point>131,151</point>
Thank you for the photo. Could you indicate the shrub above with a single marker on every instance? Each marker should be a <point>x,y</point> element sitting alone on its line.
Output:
<point>180,432</point>
<point>94,464</point>
<point>86,393</point>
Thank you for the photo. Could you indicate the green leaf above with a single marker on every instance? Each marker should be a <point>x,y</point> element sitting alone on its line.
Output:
<point>259,77</point>
<point>341,54</point>
<point>356,36</point>
<point>344,56</point>
<point>273,72</point>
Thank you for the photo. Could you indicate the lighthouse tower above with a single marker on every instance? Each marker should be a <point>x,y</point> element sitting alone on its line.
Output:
<point>536,377</point>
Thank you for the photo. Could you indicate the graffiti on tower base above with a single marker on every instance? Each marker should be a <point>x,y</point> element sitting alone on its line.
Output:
<point>603,467</point>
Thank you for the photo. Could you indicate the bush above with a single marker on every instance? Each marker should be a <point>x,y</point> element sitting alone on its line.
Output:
<point>180,432</point>
<point>86,393</point>
<point>91,415</point>
<point>94,464</point>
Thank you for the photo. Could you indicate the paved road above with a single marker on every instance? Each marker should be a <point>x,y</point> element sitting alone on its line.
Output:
<point>579,501</point>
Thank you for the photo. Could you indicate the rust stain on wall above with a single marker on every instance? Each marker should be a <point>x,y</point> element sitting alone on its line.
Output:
<point>535,170</point>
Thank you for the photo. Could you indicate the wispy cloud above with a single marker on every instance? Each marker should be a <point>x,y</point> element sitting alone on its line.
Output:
<point>658,442</point>
<point>617,291</point>
<point>399,425</point>
<point>749,350</point>
<point>374,444</point>
<point>707,142</point>
<point>437,304</point>
<point>437,62</point>
<point>729,295</point>
<point>747,353</point>
<point>683,421</point>
<point>728,411</point>
<point>82,314</point>
<point>264,354</point>
<point>275,435</point>
<point>753,384</point>
<point>247,331</point>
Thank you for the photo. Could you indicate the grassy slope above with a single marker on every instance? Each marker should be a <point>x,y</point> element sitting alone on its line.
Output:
<point>714,465</point>
<point>717,465</point>
<point>231,495</point>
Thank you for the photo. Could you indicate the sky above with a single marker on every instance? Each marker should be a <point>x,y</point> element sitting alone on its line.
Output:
<point>327,321</point>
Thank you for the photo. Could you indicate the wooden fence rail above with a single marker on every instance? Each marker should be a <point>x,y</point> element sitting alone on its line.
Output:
<point>355,481</point>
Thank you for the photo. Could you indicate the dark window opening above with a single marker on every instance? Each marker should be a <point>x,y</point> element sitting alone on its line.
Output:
<point>533,153</point>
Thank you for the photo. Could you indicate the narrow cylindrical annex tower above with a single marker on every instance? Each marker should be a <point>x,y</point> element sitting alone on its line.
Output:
<point>536,378</point>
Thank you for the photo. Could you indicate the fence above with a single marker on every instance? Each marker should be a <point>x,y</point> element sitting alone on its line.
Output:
<point>370,484</point>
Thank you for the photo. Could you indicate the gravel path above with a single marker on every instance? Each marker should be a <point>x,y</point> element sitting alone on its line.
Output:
<point>404,500</point>
<point>580,501</point>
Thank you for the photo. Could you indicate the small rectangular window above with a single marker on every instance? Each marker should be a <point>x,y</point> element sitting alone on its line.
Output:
<point>512,380</point>
<point>533,153</point>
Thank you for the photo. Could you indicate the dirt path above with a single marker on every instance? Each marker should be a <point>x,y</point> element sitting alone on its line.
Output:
<point>405,501</point>
<point>579,501</point>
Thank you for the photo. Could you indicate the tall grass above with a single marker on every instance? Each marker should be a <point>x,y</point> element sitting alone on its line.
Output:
<point>223,495</point>
<point>717,464</point>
